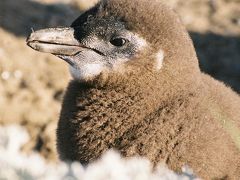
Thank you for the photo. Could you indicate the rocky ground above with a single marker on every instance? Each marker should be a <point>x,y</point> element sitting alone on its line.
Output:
<point>32,84</point>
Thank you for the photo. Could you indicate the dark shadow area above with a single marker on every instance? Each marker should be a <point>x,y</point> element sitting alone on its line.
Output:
<point>18,17</point>
<point>219,55</point>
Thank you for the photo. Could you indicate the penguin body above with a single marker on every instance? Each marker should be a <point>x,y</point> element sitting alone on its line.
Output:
<point>137,88</point>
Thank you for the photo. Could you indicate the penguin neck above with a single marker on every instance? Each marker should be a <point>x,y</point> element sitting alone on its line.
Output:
<point>146,96</point>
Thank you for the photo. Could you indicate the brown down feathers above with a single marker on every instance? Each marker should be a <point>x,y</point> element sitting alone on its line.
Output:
<point>178,115</point>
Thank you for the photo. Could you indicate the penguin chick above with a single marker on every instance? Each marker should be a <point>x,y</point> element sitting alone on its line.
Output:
<point>137,88</point>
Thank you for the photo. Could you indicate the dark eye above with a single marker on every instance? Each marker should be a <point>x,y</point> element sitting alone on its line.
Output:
<point>118,42</point>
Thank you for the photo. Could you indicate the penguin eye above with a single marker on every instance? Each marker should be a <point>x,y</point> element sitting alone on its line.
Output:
<point>118,42</point>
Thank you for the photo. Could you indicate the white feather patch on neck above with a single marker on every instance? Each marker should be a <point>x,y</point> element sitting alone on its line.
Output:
<point>86,72</point>
<point>159,59</point>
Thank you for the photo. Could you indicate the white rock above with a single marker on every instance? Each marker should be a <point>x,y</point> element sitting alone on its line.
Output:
<point>15,165</point>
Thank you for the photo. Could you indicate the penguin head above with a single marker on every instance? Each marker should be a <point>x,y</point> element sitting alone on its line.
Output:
<point>120,37</point>
<point>109,44</point>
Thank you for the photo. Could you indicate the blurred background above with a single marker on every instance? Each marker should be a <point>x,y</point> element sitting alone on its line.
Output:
<point>32,84</point>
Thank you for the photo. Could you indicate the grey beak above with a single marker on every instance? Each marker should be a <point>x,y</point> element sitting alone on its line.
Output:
<point>57,41</point>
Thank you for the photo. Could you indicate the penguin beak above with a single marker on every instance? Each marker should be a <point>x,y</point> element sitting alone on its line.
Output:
<point>57,41</point>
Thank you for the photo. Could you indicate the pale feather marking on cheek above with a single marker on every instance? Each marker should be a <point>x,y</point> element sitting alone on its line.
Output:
<point>141,42</point>
<point>159,59</point>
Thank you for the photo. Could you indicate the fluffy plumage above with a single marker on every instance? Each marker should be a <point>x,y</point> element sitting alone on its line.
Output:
<point>169,113</point>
